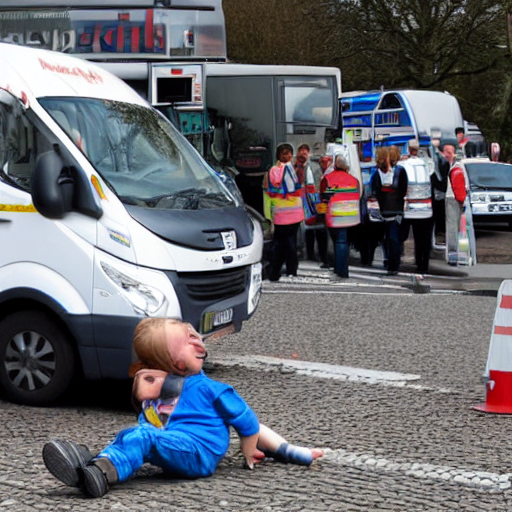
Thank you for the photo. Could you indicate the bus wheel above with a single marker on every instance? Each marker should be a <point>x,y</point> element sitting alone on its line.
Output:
<point>36,360</point>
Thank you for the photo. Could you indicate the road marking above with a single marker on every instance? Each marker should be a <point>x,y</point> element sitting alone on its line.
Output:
<point>469,478</point>
<point>325,371</point>
<point>337,292</point>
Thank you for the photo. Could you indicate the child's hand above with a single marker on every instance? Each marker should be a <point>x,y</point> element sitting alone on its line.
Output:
<point>254,458</point>
<point>251,453</point>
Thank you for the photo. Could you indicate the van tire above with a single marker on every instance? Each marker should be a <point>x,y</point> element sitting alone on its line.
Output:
<point>37,362</point>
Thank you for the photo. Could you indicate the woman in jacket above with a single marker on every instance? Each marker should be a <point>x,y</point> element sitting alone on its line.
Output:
<point>341,192</point>
<point>283,205</point>
<point>389,187</point>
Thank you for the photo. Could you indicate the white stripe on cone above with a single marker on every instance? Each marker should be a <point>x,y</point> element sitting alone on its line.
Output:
<point>498,370</point>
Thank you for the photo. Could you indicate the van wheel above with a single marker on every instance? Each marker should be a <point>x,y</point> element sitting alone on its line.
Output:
<point>36,360</point>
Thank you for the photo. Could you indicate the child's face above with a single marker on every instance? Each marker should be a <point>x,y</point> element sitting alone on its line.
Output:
<point>186,348</point>
<point>149,384</point>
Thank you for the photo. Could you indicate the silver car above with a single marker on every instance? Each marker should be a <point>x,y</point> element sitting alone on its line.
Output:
<point>490,190</point>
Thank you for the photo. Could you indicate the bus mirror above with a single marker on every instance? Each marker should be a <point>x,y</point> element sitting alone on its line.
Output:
<point>52,186</point>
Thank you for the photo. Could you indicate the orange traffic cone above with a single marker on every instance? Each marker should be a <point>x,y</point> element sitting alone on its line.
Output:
<point>498,370</point>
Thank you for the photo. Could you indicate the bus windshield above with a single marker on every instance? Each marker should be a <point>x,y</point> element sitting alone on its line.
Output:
<point>140,155</point>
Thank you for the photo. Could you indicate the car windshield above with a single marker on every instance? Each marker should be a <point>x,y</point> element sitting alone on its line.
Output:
<point>490,175</point>
<point>140,155</point>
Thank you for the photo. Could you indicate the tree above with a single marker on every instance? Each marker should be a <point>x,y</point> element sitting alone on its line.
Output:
<point>463,46</point>
<point>431,41</point>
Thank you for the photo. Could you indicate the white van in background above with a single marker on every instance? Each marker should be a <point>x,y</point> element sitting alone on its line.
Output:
<point>107,215</point>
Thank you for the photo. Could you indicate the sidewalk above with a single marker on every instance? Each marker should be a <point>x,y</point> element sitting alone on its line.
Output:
<point>481,279</point>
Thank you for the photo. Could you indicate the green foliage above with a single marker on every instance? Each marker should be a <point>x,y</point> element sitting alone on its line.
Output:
<point>462,46</point>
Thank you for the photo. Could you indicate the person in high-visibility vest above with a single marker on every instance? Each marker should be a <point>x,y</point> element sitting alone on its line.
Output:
<point>342,193</point>
<point>283,205</point>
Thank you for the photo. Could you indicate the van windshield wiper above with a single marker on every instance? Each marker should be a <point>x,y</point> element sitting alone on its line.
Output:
<point>185,199</point>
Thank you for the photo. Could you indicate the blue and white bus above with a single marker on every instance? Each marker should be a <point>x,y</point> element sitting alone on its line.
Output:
<point>375,118</point>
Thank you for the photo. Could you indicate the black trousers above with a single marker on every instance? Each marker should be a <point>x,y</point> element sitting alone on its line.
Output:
<point>284,250</point>
<point>439,216</point>
<point>422,233</point>
<point>320,235</point>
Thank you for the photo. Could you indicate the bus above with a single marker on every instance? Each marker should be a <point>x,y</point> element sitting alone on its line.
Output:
<point>371,118</point>
<point>174,55</point>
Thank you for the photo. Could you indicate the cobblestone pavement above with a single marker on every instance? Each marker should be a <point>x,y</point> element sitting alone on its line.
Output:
<point>390,446</point>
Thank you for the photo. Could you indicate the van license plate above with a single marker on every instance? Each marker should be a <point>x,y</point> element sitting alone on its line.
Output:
<point>223,317</point>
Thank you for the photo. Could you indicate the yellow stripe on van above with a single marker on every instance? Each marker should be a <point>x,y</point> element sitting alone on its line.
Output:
<point>97,186</point>
<point>17,208</point>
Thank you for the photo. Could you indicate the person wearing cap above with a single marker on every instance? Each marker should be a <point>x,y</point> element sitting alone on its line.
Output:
<point>413,149</point>
<point>283,205</point>
<point>341,193</point>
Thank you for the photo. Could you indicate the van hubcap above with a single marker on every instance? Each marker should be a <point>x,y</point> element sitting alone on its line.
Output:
<point>29,361</point>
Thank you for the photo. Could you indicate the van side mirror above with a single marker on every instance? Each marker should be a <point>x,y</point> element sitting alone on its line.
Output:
<point>58,188</point>
<point>52,186</point>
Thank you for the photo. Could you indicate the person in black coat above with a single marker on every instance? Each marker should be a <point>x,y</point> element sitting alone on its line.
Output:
<point>389,187</point>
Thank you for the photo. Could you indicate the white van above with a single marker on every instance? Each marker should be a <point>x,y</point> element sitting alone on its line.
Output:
<point>107,215</point>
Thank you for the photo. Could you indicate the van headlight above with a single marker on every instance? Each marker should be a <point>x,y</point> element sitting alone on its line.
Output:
<point>144,299</point>
<point>254,287</point>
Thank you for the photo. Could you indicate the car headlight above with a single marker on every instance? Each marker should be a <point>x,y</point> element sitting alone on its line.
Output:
<point>144,299</point>
<point>478,197</point>
<point>254,287</point>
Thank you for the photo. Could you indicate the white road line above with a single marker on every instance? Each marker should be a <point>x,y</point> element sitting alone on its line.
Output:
<point>469,478</point>
<point>325,371</point>
<point>337,292</point>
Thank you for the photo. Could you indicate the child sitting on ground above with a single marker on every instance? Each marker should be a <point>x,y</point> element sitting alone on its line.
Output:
<point>184,422</point>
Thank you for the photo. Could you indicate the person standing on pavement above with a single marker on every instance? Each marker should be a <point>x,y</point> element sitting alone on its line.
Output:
<point>439,181</point>
<point>341,192</point>
<point>314,223</point>
<point>283,205</point>
<point>458,211</point>
<point>421,226</point>
<point>389,186</point>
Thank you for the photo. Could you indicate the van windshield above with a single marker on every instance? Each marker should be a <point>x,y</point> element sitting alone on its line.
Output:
<point>140,155</point>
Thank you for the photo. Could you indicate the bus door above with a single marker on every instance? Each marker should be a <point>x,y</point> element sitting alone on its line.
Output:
<point>242,115</point>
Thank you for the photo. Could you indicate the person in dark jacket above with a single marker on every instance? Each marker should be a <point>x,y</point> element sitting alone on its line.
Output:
<point>389,186</point>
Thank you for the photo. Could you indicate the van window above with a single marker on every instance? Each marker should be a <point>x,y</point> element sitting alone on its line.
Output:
<point>20,143</point>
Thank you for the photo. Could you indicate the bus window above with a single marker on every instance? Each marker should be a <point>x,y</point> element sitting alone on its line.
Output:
<point>390,101</point>
<point>306,110</point>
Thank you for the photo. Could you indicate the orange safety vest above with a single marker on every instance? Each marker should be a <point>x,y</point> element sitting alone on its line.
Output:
<point>283,203</point>
<point>342,191</point>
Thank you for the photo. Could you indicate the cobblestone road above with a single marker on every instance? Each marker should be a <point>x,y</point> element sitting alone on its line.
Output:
<point>413,447</point>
